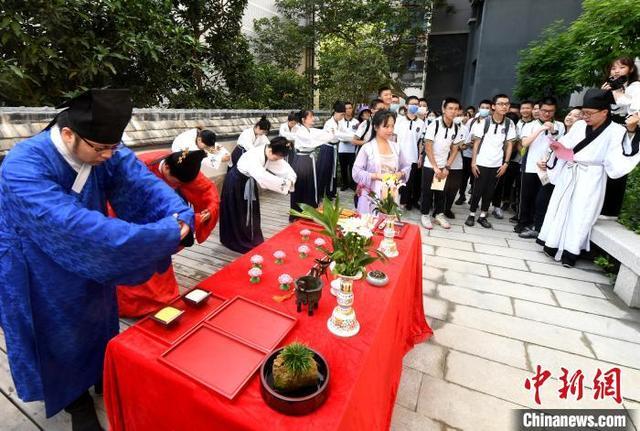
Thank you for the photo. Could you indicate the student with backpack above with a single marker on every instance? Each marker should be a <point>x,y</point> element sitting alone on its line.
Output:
<point>492,145</point>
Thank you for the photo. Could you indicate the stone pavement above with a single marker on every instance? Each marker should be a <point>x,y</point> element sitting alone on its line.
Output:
<point>499,308</point>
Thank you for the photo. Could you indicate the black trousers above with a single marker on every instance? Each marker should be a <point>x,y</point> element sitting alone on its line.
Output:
<point>515,192</point>
<point>542,203</point>
<point>430,198</point>
<point>410,193</point>
<point>613,196</point>
<point>483,188</point>
<point>346,161</point>
<point>531,185</point>
<point>509,179</point>
<point>467,177</point>
<point>451,188</point>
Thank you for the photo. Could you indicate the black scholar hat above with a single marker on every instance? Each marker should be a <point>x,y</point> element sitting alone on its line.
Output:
<point>100,115</point>
<point>185,165</point>
<point>595,98</point>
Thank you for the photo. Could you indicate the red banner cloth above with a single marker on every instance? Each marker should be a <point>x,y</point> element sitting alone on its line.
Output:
<point>141,393</point>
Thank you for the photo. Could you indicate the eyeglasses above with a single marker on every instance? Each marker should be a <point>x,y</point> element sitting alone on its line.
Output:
<point>589,114</point>
<point>102,148</point>
<point>503,104</point>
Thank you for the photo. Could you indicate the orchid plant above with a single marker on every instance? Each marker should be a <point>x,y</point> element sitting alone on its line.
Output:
<point>387,203</point>
<point>351,238</point>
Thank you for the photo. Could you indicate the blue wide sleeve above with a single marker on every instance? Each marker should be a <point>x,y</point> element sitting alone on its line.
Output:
<point>138,196</point>
<point>83,241</point>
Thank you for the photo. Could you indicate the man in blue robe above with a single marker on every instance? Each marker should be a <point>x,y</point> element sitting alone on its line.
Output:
<point>61,256</point>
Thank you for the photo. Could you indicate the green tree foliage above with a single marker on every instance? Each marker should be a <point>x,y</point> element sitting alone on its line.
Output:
<point>279,41</point>
<point>565,59</point>
<point>350,71</point>
<point>51,49</point>
<point>275,88</point>
<point>630,214</point>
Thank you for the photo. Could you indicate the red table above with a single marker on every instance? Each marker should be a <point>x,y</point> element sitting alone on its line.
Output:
<point>141,393</point>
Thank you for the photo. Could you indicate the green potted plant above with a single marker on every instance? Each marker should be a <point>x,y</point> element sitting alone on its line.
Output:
<point>294,368</point>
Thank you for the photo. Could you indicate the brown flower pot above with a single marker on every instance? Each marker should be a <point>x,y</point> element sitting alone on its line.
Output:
<point>300,402</point>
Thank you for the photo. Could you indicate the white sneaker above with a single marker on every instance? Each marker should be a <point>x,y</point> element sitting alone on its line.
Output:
<point>442,221</point>
<point>426,222</point>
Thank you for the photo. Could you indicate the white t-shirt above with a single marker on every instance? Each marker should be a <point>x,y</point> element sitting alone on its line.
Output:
<point>457,162</point>
<point>442,142</point>
<point>491,153</point>
<point>408,133</point>
<point>468,152</point>
<point>347,126</point>
<point>539,148</point>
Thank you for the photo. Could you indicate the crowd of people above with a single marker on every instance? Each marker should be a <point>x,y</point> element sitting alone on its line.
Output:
<point>499,156</point>
<point>88,228</point>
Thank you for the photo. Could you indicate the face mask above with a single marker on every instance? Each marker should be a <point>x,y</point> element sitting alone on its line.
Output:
<point>484,112</point>
<point>413,109</point>
<point>422,110</point>
<point>457,120</point>
<point>394,107</point>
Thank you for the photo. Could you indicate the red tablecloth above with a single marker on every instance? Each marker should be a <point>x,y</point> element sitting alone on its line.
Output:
<point>141,393</point>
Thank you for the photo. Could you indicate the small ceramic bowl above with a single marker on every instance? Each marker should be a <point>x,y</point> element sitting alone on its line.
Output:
<point>376,281</point>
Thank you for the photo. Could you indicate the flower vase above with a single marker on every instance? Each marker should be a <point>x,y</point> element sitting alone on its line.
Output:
<point>388,245</point>
<point>336,283</point>
<point>343,322</point>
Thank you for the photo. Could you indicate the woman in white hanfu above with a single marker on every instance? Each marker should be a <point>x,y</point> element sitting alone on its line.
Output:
<point>376,158</point>
<point>263,167</point>
<point>593,149</point>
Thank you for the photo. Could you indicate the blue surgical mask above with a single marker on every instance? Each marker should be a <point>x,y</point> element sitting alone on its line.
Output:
<point>413,109</point>
<point>394,107</point>
<point>484,112</point>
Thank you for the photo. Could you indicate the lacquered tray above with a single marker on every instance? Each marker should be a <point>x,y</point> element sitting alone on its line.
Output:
<point>252,322</point>
<point>400,228</point>
<point>191,317</point>
<point>215,359</point>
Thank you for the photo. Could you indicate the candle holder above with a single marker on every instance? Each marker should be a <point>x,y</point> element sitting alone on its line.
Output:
<point>303,251</point>
<point>304,234</point>
<point>279,255</point>
<point>254,275</point>
<point>285,281</point>
<point>257,261</point>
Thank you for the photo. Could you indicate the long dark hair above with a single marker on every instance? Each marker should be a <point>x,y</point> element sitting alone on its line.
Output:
<point>625,61</point>
<point>381,118</point>
<point>263,123</point>
<point>302,114</point>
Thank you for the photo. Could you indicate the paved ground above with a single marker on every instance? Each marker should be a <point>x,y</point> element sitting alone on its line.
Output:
<point>498,307</point>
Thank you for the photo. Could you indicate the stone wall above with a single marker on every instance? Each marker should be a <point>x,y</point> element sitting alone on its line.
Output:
<point>149,128</point>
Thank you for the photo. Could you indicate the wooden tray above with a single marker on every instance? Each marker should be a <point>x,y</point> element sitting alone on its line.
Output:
<point>252,322</point>
<point>214,359</point>
<point>190,318</point>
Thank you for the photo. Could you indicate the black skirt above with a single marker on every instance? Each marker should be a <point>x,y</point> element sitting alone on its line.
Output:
<point>305,188</point>
<point>327,182</point>
<point>235,233</point>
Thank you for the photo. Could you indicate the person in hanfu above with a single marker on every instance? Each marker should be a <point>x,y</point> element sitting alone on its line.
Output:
<point>378,157</point>
<point>308,139</point>
<point>327,167</point>
<point>201,139</point>
<point>252,137</point>
<point>61,256</point>
<point>594,148</point>
<point>262,166</point>
<point>288,130</point>
<point>181,172</point>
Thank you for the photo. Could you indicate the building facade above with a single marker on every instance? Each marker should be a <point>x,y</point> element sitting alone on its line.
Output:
<point>473,53</point>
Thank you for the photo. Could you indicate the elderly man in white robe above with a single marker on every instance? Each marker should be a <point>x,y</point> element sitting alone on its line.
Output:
<point>594,148</point>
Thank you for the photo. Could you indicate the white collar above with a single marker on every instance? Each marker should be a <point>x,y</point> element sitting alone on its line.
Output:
<point>82,169</point>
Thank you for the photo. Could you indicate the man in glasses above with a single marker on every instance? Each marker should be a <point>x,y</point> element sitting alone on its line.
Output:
<point>593,149</point>
<point>61,256</point>
<point>535,190</point>
<point>492,144</point>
